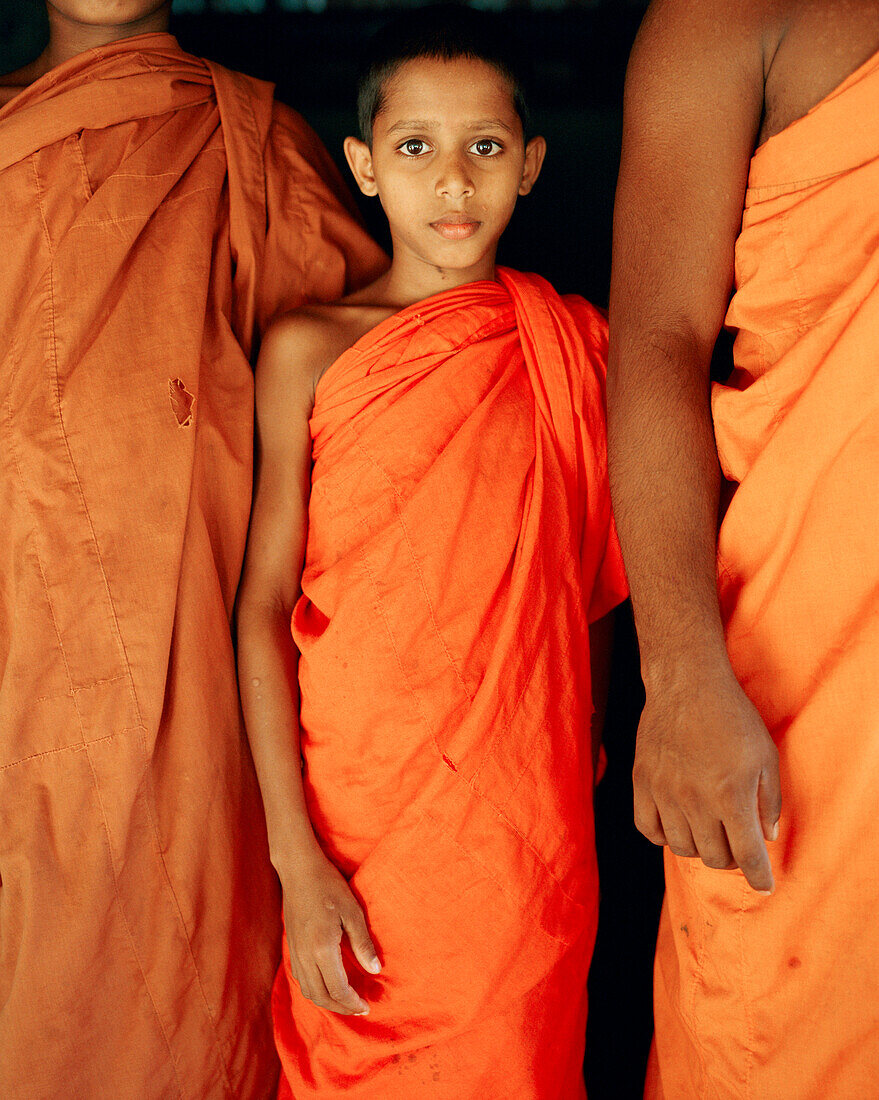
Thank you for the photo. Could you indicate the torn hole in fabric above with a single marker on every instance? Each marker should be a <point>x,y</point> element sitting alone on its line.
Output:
<point>182,402</point>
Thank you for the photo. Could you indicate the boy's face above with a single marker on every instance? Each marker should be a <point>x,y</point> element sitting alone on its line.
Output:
<point>110,13</point>
<point>448,160</point>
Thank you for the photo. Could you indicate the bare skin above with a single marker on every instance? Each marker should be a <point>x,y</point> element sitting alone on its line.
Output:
<point>448,160</point>
<point>707,83</point>
<point>79,25</point>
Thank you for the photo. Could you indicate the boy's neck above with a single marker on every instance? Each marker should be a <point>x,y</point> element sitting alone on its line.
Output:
<point>409,279</point>
<point>68,37</point>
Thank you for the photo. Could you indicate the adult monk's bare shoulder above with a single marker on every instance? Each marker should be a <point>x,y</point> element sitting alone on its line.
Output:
<point>792,52</point>
<point>818,45</point>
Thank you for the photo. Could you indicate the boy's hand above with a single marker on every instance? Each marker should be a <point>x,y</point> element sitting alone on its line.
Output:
<point>706,776</point>
<point>318,907</point>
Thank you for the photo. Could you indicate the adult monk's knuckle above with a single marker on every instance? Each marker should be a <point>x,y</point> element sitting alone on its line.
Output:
<point>681,848</point>
<point>716,861</point>
<point>734,807</point>
<point>647,828</point>
<point>689,799</point>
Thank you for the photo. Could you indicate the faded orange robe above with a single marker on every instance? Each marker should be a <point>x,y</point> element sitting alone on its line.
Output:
<point>778,998</point>
<point>459,543</point>
<point>156,211</point>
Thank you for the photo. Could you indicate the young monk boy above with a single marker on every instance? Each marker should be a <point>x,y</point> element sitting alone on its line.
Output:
<point>156,212</point>
<point>433,447</point>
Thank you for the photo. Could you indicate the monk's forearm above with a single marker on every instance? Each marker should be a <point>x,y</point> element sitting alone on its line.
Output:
<point>664,483</point>
<point>268,678</point>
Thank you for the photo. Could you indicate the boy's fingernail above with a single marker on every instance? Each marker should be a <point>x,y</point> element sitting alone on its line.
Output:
<point>764,893</point>
<point>363,1012</point>
<point>374,965</point>
<point>773,832</point>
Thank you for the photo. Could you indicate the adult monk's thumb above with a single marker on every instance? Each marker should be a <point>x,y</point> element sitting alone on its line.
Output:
<point>769,800</point>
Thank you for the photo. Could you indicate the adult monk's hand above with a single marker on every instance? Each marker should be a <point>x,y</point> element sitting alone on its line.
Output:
<point>706,775</point>
<point>319,908</point>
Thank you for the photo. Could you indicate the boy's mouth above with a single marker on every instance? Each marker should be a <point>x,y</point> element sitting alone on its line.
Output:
<point>455,227</point>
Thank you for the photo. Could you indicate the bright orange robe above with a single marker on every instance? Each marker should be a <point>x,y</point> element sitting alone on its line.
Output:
<point>778,998</point>
<point>460,541</point>
<point>155,212</point>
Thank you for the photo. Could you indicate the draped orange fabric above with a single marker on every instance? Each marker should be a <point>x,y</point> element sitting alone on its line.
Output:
<point>777,997</point>
<point>460,541</point>
<point>155,212</point>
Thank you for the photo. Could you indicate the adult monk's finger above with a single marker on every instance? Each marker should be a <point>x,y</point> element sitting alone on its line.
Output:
<point>354,923</point>
<point>745,836</point>
<point>341,993</point>
<point>647,820</point>
<point>769,800</point>
<point>677,831</point>
<point>712,844</point>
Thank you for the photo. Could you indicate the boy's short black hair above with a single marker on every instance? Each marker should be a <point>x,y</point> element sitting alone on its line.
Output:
<point>440,32</point>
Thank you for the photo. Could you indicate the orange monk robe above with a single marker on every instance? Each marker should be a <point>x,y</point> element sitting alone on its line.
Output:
<point>459,543</point>
<point>155,212</point>
<point>777,998</point>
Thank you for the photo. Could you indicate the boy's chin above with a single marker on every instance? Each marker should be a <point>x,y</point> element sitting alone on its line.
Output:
<point>108,13</point>
<point>458,258</point>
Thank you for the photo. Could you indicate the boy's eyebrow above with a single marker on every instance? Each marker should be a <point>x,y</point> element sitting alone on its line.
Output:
<point>429,124</point>
<point>488,123</point>
<point>412,124</point>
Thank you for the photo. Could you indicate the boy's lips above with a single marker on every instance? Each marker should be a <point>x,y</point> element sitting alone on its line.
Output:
<point>455,227</point>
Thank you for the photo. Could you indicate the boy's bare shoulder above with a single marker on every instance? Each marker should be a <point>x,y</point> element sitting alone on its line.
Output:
<point>308,340</point>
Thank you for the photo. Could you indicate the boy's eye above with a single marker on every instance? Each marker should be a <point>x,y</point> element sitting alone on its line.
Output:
<point>486,147</point>
<point>414,147</point>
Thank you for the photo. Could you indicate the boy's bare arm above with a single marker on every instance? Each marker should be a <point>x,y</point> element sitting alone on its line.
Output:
<point>706,772</point>
<point>270,586</point>
<point>318,904</point>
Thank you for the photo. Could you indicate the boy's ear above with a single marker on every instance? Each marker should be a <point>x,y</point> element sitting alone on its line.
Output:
<point>535,151</point>
<point>359,157</point>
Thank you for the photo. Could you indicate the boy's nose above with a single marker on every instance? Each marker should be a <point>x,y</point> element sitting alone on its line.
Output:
<point>453,180</point>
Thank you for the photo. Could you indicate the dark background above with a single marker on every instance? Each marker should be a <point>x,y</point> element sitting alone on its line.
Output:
<point>310,49</point>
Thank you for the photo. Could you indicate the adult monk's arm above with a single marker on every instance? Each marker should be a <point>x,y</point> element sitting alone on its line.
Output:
<point>706,771</point>
<point>318,905</point>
